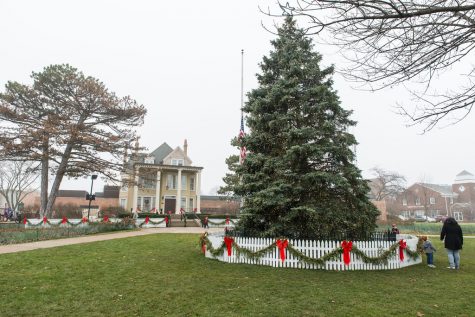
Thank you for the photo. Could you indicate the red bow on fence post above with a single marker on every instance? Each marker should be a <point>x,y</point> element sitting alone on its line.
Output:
<point>229,243</point>
<point>166,221</point>
<point>203,248</point>
<point>65,220</point>
<point>227,220</point>
<point>402,246</point>
<point>45,220</point>
<point>25,221</point>
<point>84,220</point>
<point>147,219</point>
<point>346,246</point>
<point>106,219</point>
<point>282,244</point>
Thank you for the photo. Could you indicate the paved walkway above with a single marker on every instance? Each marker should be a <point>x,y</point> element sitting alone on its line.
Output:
<point>11,248</point>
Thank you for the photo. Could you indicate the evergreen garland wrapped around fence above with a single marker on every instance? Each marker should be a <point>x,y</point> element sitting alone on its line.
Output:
<point>332,255</point>
<point>45,221</point>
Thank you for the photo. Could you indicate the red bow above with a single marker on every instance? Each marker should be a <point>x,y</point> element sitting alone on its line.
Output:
<point>282,244</point>
<point>203,247</point>
<point>227,220</point>
<point>166,220</point>
<point>346,246</point>
<point>229,243</point>
<point>106,219</point>
<point>45,220</point>
<point>25,221</point>
<point>65,220</point>
<point>84,219</point>
<point>402,246</point>
<point>147,219</point>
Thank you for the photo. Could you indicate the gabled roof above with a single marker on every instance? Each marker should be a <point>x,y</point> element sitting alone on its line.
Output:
<point>179,152</point>
<point>161,152</point>
<point>444,190</point>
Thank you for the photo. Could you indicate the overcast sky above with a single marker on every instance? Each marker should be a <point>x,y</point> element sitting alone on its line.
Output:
<point>182,60</point>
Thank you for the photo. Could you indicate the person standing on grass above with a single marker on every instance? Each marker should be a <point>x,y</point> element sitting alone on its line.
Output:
<point>429,250</point>
<point>394,229</point>
<point>453,241</point>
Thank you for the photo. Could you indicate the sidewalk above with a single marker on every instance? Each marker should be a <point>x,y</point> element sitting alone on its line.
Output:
<point>12,248</point>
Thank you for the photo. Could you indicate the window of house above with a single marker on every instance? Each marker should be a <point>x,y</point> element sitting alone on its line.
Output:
<point>192,183</point>
<point>178,162</point>
<point>418,201</point>
<point>123,202</point>
<point>191,204</point>
<point>183,182</point>
<point>171,181</point>
<point>147,201</point>
<point>139,203</point>
<point>404,202</point>
<point>419,213</point>
<point>149,160</point>
<point>406,213</point>
<point>432,200</point>
<point>458,215</point>
<point>451,200</point>
<point>183,203</point>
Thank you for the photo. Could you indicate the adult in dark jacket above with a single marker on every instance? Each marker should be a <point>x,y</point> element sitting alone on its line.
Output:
<point>453,240</point>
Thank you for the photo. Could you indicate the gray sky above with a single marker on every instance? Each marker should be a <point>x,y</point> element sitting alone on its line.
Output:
<point>182,60</point>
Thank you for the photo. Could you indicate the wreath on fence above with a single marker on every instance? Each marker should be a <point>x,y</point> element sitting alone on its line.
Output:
<point>282,244</point>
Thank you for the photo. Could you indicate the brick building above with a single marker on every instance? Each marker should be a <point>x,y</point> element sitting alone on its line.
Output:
<point>423,199</point>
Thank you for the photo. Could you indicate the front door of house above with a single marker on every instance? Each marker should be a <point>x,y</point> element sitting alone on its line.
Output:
<point>170,204</point>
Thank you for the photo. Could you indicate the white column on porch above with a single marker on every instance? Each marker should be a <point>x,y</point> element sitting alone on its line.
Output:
<point>178,193</point>
<point>157,191</point>
<point>198,193</point>
<point>136,190</point>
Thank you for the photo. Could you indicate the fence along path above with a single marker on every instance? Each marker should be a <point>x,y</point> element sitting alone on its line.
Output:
<point>313,249</point>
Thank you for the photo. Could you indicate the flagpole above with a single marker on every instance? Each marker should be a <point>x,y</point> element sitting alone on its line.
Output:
<point>242,80</point>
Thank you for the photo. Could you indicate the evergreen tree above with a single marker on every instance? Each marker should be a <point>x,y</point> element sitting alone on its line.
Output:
<point>299,180</point>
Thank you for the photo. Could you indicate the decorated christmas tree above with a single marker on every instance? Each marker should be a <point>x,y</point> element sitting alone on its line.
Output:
<point>298,179</point>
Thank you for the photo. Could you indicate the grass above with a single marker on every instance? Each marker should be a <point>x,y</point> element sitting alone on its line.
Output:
<point>166,275</point>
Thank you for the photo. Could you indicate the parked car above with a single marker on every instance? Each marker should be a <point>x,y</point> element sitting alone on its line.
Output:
<point>403,218</point>
<point>424,219</point>
<point>440,218</point>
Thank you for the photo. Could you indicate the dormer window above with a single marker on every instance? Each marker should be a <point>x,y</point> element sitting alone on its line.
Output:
<point>178,162</point>
<point>149,160</point>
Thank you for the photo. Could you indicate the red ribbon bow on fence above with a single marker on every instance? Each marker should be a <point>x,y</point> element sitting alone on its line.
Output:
<point>227,220</point>
<point>147,219</point>
<point>282,244</point>
<point>229,244</point>
<point>45,220</point>
<point>84,219</point>
<point>25,221</point>
<point>402,246</point>
<point>65,220</point>
<point>106,219</point>
<point>346,246</point>
<point>166,220</point>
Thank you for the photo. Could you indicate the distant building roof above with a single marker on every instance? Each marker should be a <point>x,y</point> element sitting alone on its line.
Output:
<point>464,177</point>
<point>445,190</point>
<point>72,193</point>
<point>214,197</point>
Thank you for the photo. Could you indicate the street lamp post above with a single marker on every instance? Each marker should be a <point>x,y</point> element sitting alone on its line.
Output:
<point>90,196</point>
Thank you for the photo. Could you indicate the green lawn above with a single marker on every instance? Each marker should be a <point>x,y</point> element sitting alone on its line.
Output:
<point>166,274</point>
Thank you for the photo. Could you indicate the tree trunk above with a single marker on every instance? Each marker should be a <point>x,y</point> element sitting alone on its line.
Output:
<point>58,178</point>
<point>44,176</point>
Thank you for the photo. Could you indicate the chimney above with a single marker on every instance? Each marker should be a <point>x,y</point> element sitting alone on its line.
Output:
<point>185,147</point>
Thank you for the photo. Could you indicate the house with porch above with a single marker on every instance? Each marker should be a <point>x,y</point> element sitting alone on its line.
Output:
<point>162,181</point>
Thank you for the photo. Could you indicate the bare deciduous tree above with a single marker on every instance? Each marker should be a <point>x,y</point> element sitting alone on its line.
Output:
<point>17,180</point>
<point>391,42</point>
<point>386,184</point>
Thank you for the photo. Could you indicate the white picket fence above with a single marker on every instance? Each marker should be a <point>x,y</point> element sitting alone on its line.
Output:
<point>317,249</point>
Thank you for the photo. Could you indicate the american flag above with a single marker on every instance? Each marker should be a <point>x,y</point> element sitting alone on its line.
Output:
<point>242,156</point>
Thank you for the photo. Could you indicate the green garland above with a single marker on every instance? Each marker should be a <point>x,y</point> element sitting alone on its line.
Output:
<point>152,222</point>
<point>53,224</point>
<point>335,254</point>
<point>220,223</point>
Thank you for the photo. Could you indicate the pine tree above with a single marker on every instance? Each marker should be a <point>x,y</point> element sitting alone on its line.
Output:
<point>299,179</point>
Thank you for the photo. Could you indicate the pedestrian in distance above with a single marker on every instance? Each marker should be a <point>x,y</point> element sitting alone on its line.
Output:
<point>429,250</point>
<point>394,229</point>
<point>451,233</point>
